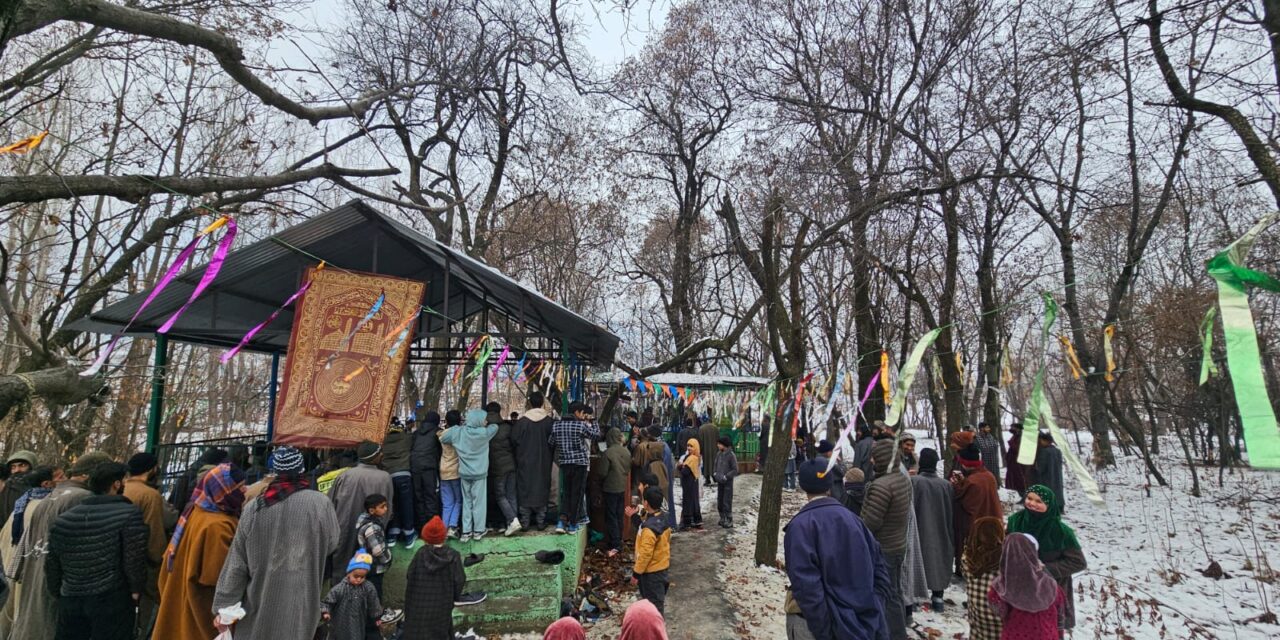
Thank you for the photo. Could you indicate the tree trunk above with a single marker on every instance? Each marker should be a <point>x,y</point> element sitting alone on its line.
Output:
<point>775,466</point>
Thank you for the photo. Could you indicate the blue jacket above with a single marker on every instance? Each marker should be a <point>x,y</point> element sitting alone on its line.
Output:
<point>838,576</point>
<point>472,444</point>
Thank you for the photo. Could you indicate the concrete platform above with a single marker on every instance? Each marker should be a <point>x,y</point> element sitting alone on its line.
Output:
<point>523,594</point>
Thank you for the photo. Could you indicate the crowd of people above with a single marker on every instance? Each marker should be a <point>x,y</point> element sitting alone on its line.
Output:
<point>892,533</point>
<point>274,549</point>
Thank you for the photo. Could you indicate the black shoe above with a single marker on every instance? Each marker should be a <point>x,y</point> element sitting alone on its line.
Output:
<point>468,599</point>
<point>542,526</point>
<point>472,559</point>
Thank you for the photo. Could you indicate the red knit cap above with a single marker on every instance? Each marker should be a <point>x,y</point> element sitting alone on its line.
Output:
<point>433,532</point>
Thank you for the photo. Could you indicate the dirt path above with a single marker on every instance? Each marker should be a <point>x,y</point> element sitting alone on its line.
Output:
<point>697,608</point>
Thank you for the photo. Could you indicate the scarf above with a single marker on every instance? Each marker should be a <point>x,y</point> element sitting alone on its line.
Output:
<point>643,622</point>
<point>984,545</point>
<point>219,490</point>
<point>285,485</point>
<point>693,459</point>
<point>20,507</point>
<point>1047,528</point>
<point>1023,582</point>
<point>565,628</point>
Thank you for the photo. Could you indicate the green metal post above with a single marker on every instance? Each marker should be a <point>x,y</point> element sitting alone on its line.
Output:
<point>158,375</point>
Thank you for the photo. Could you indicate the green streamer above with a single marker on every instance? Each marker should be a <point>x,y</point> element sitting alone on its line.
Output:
<point>1031,423</point>
<point>906,375</point>
<point>1207,367</point>
<point>1090,486</point>
<point>1261,436</point>
<point>486,350</point>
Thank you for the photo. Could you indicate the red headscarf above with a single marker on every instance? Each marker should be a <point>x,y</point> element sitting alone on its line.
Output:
<point>565,628</point>
<point>643,622</point>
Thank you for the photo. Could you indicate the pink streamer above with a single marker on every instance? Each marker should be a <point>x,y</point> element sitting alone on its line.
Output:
<point>853,419</point>
<point>210,273</point>
<point>506,351</point>
<point>254,331</point>
<point>174,269</point>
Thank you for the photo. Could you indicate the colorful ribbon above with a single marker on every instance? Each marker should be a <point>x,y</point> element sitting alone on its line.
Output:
<point>1207,366</point>
<point>346,341</point>
<point>1073,361</point>
<point>853,421</point>
<point>795,417</point>
<point>907,374</point>
<point>262,325</point>
<point>1038,411</point>
<point>401,333</point>
<point>210,271</point>
<point>1006,377</point>
<point>1107,334</point>
<point>24,145</point>
<point>170,274</point>
<point>884,377</point>
<point>960,368</point>
<point>1261,437</point>
<point>502,357</point>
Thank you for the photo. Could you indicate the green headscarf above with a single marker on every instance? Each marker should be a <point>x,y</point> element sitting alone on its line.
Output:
<point>1047,528</point>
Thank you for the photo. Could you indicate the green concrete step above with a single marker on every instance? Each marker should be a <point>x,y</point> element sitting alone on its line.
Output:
<point>516,581</point>
<point>498,615</point>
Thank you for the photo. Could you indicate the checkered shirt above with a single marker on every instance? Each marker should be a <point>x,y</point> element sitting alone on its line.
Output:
<point>568,438</point>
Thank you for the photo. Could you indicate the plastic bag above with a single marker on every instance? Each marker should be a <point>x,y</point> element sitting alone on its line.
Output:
<point>229,616</point>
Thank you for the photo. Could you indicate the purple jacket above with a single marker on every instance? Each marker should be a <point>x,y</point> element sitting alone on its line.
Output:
<point>838,576</point>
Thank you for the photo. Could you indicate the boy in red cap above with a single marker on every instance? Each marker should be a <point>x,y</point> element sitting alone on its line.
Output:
<point>435,583</point>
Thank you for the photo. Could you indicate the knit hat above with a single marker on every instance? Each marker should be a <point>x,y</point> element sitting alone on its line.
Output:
<point>22,456</point>
<point>141,463</point>
<point>368,450</point>
<point>361,560</point>
<point>85,464</point>
<point>287,460</point>
<point>726,441</point>
<point>825,447</point>
<point>961,439</point>
<point>906,437</point>
<point>854,475</point>
<point>970,458</point>
<point>928,460</point>
<point>433,532</point>
<point>813,478</point>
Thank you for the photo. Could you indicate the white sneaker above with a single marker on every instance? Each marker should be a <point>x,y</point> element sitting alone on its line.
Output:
<point>479,534</point>
<point>513,527</point>
<point>391,544</point>
<point>453,533</point>
<point>392,615</point>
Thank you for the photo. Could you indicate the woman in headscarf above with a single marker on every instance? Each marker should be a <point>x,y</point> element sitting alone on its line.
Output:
<point>642,621</point>
<point>565,628</point>
<point>1027,598</point>
<point>982,553</point>
<point>1059,549</point>
<point>196,553</point>
<point>690,470</point>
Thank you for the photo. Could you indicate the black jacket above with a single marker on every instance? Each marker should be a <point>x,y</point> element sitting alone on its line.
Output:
<point>502,448</point>
<point>424,454</point>
<point>434,582</point>
<point>97,547</point>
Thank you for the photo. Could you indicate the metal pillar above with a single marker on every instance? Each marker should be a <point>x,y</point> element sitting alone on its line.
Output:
<point>158,375</point>
<point>271,396</point>
<point>484,386</point>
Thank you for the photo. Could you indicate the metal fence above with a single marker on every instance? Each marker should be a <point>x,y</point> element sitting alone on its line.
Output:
<point>176,458</point>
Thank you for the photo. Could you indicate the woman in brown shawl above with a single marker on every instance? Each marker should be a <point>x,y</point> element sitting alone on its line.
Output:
<point>196,553</point>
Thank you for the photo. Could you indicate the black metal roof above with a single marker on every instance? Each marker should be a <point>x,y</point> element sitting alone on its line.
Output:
<point>255,279</point>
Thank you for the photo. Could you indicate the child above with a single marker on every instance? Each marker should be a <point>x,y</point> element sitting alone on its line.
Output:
<point>726,469</point>
<point>472,445</point>
<point>854,488</point>
<point>1024,595</point>
<point>690,470</point>
<point>434,586</point>
<point>371,537</point>
<point>450,481</point>
<point>353,603</point>
<point>653,551</point>
<point>982,551</point>
<point>615,468</point>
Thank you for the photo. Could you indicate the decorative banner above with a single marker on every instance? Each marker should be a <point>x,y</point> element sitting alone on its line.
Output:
<point>907,375</point>
<point>1038,411</point>
<point>24,145</point>
<point>795,417</point>
<point>1207,365</point>
<point>261,325</point>
<point>884,377</point>
<point>1030,431</point>
<point>853,421</point>
<point>1073,361</point>
<point>1261,437</point>
<point>339,386</point>
<point>178,264</point>
<point>1107,334</point>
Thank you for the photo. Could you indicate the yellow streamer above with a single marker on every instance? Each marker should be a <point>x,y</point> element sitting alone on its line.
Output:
<point>24,145</point>
<point>884,378</point>
<point>960,368</point>
<point>1072,360</point>
<point>1007,376</point>
<point>214,226</point>
<point>1107,334</point>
